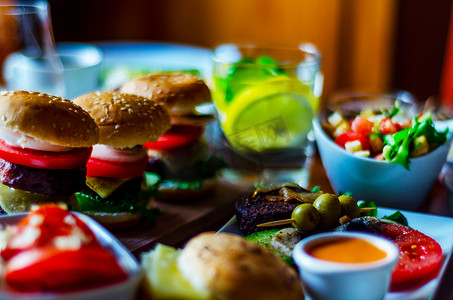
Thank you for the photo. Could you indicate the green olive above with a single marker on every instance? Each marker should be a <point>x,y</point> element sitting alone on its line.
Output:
<point>306,217</point>
<point>349,207</point>
<point>329,208</point>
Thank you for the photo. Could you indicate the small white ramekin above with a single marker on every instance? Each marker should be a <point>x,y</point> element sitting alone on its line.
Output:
<point>323,279</point>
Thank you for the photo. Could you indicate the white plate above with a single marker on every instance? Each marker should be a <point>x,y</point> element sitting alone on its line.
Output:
<point>154,56</point>
<point>123,290</point>
<point>437,227</point>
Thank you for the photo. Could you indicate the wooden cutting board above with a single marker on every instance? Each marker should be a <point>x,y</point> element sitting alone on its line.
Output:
<point>180,221</point>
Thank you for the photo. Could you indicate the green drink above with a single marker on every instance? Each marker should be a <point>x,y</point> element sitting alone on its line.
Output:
<point>266,102</point>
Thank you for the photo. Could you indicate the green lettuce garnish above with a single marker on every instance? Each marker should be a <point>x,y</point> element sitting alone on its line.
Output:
<point>399,146</point>
<point>397,217</point>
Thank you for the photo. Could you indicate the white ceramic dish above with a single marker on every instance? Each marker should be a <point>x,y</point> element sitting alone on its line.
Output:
<point>387,184</point>
<point>438,227</point>
<point>333,280</point>
<point>123,290</point>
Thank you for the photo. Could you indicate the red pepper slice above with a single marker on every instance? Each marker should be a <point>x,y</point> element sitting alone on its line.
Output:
<point>41,226</point>
<point>52,269</point>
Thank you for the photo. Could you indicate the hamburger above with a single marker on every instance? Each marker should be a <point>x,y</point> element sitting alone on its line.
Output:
<point>113,193</point>
<point>181,156</point>
<point>219,266</point>
<point>45,143</point>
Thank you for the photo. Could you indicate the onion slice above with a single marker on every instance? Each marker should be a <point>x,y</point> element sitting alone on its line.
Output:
<point>18,139</point>
<point>104,152</point>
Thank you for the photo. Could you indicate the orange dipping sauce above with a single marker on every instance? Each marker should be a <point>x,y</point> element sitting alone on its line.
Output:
<point>347,250</point>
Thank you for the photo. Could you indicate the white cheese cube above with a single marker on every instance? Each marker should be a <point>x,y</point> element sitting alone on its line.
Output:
<point>335,119</point>
<point>362,153</point>
<point>342,127</point>
<point>353,146</point>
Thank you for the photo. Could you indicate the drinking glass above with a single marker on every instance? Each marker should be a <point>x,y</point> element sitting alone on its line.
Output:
<point>266,98</point>
<point>30,61</point>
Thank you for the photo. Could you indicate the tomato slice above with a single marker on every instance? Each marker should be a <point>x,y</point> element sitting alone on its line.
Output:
<point>50,268</point>
<point>179,135</point>
<point>109,169</point>
<point>362,125</point>
<point>73,159</point>
<point>419,254</point>
<point>349,136</point>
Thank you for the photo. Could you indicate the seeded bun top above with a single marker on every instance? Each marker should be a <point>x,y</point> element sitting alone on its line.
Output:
<point>230,267</point>
<point>47,118</point>
<point>124,120</point>
<point>178,92</point>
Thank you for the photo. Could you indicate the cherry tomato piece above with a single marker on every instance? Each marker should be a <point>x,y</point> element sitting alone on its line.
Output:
<point>108,169</point>
<point>50,268</point>
<point>73,159</point>
<point>179,135</point>
<point>387,126</point>
<point>362,125</point>
<point>349,136</point>
<point>419,256</point>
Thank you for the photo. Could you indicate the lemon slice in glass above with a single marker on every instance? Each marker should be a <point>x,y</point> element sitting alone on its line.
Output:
<point>271,115</point>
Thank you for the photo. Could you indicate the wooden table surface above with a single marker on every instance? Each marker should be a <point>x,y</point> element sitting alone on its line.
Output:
<point>180,221</point>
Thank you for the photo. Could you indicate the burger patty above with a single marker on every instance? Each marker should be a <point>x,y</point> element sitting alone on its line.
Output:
<point>42,181</point>
<point>262,207</point>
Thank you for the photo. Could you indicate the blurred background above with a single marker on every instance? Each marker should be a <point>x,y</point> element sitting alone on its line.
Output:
<point>370,44</point>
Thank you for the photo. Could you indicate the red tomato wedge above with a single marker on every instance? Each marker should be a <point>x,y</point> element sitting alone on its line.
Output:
<point>73,159</point>
<point>178,136</point>
<point>350,136</point>
<point>50,268</point>
<point>419,254</point>
<point>109,169</point>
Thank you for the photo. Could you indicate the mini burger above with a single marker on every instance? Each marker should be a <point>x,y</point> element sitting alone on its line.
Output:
<point>181,156</point>
<point>113,194</point>
<point>45,143</point>
<point>219,266</point>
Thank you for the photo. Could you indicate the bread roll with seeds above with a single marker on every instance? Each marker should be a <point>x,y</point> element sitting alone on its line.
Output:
<point>48,118</point>
<point>125,120</point>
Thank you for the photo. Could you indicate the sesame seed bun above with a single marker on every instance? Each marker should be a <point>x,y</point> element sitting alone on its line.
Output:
<point>178,92</point>
<point>125,120</point>
<point>230,267</point>
<point>47,118</point>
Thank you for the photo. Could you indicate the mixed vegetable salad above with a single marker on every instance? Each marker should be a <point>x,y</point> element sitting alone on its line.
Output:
<point>388,134</point>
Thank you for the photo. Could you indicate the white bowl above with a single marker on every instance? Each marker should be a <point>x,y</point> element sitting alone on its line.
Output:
<point>387,184</point>
<point>126,289</point>
<point>323,279</point>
